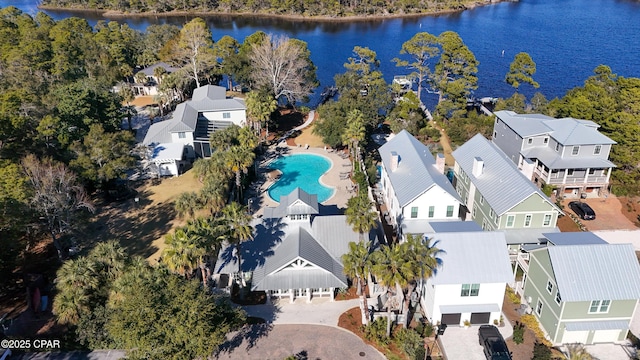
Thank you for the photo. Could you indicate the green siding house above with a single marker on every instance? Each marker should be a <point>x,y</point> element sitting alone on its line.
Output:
<point>583,293</point>
<point>498,196</point>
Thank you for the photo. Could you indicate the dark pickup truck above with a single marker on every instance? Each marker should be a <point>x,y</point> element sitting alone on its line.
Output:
<point>493,343</point>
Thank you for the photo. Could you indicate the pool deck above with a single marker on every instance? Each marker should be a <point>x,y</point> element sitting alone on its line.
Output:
<point>332,178</point>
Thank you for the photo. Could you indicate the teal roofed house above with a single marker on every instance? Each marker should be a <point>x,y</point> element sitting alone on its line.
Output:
<point>582,290</point>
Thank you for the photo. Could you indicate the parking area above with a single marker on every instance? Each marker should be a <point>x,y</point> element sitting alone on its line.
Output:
<point>608,214</point>
<point>463,343</point>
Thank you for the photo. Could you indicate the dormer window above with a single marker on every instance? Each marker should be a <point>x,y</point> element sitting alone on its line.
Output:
<point>530,141</point>
<point>298,217</point>
<point>575,150</point>
<point>546,140</point>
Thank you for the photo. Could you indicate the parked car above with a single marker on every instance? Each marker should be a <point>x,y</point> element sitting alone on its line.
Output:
<point>493,343</point>
<point>583,210</point>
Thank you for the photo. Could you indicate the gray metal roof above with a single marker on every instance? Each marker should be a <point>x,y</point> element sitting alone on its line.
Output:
<point>168,68</point>
<point>596,271</point>
<point>501,183</point>
<point>554,160</point>
<point>566,131</point>
<point>525,124</point>
<point>416,172</point>
<point>278,242</point>
<point>167,151</point>
<point>158,133</point>
<point>573,238</point>
<point>184,118</point>
<point>474,257</point>
<point>596,325</point>
<point>528,235</point>
<point>296,202</point>
<point>421,226</point>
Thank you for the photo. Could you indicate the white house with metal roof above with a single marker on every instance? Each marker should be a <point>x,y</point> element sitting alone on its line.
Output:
<point>470,283</point>
<point>296,250</point>
<point>568,153</point>
<point>498,196</point>
<point>413,183</point>
<point>150,86</point>
<point>193,121</point>
<point>581,289</point>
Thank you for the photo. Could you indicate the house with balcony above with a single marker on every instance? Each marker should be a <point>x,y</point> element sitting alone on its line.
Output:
<point>413,184</point>
<point>296,250</point>
<point>568,153</point>
<point>497,196</point>
<point>152,79</point>
<point>470,283</point>
<point>193,121</point>
<point>581,289</point>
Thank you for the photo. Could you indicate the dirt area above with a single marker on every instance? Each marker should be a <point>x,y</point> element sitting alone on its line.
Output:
<point>141,227</point>
<point>610,213</point>
<point>143,100</point>
<point>566,224</point>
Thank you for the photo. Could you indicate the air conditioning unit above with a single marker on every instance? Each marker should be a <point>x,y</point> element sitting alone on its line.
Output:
<point>529,299</point>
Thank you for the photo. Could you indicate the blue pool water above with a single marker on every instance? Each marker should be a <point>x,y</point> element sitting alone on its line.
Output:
<point>303,171</point>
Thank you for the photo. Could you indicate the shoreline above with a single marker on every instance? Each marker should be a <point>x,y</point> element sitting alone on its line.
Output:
<point>115,14</point>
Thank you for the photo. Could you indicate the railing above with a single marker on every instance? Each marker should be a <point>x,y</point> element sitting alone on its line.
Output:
<point>580,180</point>
<point>523,261</point>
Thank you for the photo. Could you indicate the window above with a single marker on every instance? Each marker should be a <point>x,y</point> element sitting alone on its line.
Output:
<point>414,212</point>
<point>431,211</point>
<point>511,219</point>
<point>496,219</point>
<point>539,307</point>
<point>547,220</point>
<point>527,220</point>
<point>592,171</point>
<point>575,150</point>
<point>529,141</point>
<point>599,306</point>
<point>596,150</point>
<point>226,115</point>
<point>449,210</point>
<point>549,286</point>
<point>557,147</point>
<point>558,298</point>
<point>570,172</point>
<point>491,213</point>
<point>481,199</point>
<point>182,135</point>
<point>545,140</point>
<point>473,211</point>
<point>470,290</point>
<point>495,134</point>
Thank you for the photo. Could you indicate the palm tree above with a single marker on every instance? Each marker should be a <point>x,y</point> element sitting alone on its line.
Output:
<point>578,352</point>
<point>260,106</point>
<point>110,259</point>
<point>422,255</point>
<point>357,264</point>
<point>236,221</point>
<point>354,133</point>
<point>360,214</point>
<point>69,305</point>
<point>207,232</point>
<point>187,203</point>
<point>214,195</point>
<point>239,158</point>
<point>183,252</point>
<point>76,281</point>
<point>392,269</point>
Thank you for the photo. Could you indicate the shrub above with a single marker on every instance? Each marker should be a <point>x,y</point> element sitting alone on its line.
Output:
<point>409,341</point>
<point>376,331</point>
<point>512,296</point>
<point>541,352</point>
<point>425,330</point>
<point>530,322</point>
<point>548,189</point>
<point>518,333</point>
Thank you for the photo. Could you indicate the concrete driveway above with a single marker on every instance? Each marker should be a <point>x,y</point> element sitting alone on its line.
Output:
<point>461,343</point>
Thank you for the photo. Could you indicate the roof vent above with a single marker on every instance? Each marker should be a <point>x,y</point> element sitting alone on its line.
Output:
<point>395,161</point>
<point>478,166</point>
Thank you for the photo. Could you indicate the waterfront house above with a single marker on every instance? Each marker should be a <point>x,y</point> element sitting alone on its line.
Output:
<point>296,250</point>
<point>581,289</point>
<point>194,120</point>
<point>413,185</point>
<point>150,86</point>
<point>471,281</point>
<point>498,196</point>
<point>569,154</point>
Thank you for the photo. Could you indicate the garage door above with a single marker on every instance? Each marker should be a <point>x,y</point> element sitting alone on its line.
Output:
<point>480,318</point>
<point>451,319</point>
<point>605,336</point>
<point>572,337</point>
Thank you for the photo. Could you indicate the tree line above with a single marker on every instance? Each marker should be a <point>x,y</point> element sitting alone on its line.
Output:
<point>324,8</point>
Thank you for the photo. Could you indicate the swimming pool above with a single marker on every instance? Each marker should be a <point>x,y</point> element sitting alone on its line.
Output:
<point>303,171</point>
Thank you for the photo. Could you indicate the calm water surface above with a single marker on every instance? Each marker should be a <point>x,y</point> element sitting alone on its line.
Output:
<point>566,38</point>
